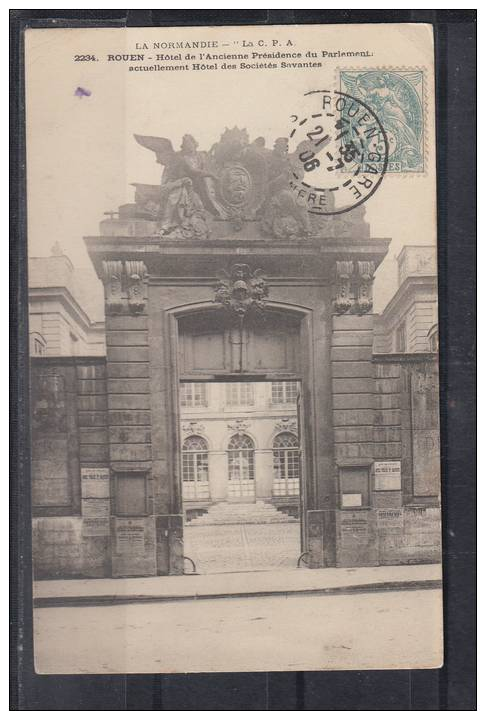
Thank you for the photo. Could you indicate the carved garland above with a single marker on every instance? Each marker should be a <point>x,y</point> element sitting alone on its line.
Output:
<point>193,428</point>
<point>287,424</point>
<point>239,425</point>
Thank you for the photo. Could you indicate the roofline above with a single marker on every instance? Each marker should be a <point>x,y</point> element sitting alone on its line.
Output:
<point>55,256</point>
<point>416,246</point>
<point>404,288</point>
<point>62,292</point>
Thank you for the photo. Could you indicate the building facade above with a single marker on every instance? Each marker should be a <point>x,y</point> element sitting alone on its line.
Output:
<point>234,290</point>
<point>409,322</point>
<point>240,442</point>
<point>59,324</point>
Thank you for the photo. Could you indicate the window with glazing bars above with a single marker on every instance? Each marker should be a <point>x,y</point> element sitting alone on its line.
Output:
<point>193,395</point>
<point>239,393</point>
<point>286,460</point>
<point>284,392</point>
<point>194,459</point>
<point>241,457</point>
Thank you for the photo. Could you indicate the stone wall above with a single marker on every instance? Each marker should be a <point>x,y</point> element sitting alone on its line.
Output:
<point>391,447</point>
<point>97,512</point>
<point>70,475</point>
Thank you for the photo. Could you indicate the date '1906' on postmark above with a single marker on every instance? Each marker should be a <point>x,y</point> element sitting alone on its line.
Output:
<point>338,152</point>
<point>343,142</point>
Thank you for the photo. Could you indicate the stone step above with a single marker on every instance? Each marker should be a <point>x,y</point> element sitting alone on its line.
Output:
<point>230,521</point>
<point>243,508</point>
<point>246,512</point>
<point>243,517</point>
<point>226,513</point>
<point>200,520</point>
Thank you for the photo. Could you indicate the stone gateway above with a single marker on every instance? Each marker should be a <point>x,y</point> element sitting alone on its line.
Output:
<point>219,275</point>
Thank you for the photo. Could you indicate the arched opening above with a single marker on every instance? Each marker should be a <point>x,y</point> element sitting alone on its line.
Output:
<point>241,467</point>
<point>286,465</point>
<point>240,389</point>
<point>195,469</point>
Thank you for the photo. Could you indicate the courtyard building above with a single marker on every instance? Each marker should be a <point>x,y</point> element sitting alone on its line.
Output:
<point>409,322</point>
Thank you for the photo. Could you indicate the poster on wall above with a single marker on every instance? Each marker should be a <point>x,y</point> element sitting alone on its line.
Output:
<point>95,483</point>
<point>388,476</point>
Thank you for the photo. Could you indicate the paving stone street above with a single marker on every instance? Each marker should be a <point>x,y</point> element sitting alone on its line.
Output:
<point>231,547</point>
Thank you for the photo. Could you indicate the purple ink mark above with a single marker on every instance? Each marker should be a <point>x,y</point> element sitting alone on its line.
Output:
<point>82,92</point>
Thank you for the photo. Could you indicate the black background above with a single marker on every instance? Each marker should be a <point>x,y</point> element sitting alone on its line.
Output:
<point>453,686</point>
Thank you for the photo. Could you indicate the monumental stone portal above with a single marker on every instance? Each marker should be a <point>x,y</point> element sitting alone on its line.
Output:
<point>220,274</point>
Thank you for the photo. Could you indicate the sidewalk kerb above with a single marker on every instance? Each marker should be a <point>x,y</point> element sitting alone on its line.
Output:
<point>99,600</point>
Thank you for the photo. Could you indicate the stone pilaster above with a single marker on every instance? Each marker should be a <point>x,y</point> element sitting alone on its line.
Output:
<point>129,418</point>
<point>353,402</point>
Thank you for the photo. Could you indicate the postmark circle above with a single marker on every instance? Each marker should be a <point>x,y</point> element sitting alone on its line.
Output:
<point>338,151</point>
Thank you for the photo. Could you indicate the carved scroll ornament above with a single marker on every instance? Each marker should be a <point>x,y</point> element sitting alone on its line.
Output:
<point>125,282</point>
<point>136,285</point>
<point>112,281</point>
<point>343,298</point>
<point>364,289</point>
<point>354,287</point>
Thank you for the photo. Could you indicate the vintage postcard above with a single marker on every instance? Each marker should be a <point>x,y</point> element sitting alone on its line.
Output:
<point>233,340</point>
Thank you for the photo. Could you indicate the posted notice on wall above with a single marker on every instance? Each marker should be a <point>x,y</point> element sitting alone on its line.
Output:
<point>388,476</point>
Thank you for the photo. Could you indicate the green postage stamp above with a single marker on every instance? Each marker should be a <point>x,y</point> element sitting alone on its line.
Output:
<point>397,97</point>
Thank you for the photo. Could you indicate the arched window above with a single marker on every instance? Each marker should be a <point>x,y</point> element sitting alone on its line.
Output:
<point>286,464</point>
<point>241,466</point>
<point>195,468</point>
<point>37,344</point>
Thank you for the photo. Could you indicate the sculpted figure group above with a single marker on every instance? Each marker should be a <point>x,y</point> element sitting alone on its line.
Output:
<point>236,181</point>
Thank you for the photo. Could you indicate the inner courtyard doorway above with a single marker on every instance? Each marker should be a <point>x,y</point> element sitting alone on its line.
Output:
<point>241,471</point>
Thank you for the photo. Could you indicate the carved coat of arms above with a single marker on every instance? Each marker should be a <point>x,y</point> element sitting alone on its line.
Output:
<point>240,290</point>
<point>236,181</point>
